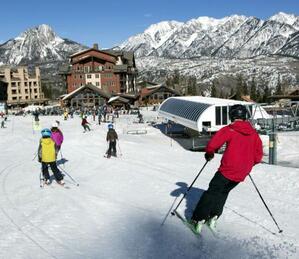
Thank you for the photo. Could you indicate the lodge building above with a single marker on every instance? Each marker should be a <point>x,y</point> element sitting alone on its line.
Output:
<point>109,70</point>
<point>23,88</point>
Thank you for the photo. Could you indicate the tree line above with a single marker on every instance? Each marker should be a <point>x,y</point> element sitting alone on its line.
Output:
<point>238,87</point>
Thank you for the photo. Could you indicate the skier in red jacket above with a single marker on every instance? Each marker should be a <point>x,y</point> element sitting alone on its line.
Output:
<point>243,151</point>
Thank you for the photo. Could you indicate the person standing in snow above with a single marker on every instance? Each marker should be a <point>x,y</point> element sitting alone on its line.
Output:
<point>2,123</point>
<point>243,151</point>
<point>84,124</point>
<point>47,153</point>
<point>57,136</point>
<point>111,137</point>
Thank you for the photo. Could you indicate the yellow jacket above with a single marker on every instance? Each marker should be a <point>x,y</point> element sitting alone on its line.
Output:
<point>47,150</point>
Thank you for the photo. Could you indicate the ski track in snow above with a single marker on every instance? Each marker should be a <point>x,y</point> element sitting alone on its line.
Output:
<point>120,209</point>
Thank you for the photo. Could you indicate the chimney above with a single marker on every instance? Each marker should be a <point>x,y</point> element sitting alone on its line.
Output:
<point>95,46</point>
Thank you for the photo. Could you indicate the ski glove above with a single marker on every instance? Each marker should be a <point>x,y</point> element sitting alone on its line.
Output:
<point>208,156</point>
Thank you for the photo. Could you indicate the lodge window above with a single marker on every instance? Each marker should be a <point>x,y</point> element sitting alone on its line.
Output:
<point>97,83</point>
<point>88,76</point>
<point>97,75</point>
<point>14,91</point>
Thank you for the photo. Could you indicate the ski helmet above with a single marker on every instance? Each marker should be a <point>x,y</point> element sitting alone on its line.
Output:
<point>238,111</point>
<point>55,125</point>
<point>110,126</point>
<point>46,133</point>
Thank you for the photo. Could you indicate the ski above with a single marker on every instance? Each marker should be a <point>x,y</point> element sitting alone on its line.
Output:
<point>63,185</point>
<point>187,224</point>
<point>212,229</point>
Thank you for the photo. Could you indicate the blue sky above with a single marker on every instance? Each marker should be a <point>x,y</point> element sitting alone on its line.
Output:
<point>108,23</point>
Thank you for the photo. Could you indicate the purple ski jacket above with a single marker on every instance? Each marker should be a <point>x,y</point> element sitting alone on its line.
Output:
<point>57,136</point>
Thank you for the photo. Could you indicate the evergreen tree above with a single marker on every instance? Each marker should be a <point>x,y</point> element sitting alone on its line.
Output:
<point>191,86</point>
<point>253,91</point>
<point>176,78</point>
<point>239,87</point>
<point>266,94</point>
<point>278,90</point>
<point>232,92</point>
<point>214,90</point>
<point>244,89</point>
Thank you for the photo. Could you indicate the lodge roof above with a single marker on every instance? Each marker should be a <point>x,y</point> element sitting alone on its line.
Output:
<point>154,89</point>
<point>89,86</point>
<point>91,49</point>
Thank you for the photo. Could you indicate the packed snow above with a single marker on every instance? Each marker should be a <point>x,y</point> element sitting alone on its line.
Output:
<point>121,207</point>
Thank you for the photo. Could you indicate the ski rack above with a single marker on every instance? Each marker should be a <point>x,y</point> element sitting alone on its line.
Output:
<point>137,132</point>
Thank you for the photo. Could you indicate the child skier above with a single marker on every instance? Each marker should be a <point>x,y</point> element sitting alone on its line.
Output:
<point>112,138</point>
<point>56,135</point>
<point>243,151</point>
<point>84,124</point>
<point>47,153</point>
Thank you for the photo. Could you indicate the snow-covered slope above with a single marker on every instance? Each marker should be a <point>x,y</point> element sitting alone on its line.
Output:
<point>118,209</point>
<point>234,36</point>
<point>145,43</point>
<point>37,45</point>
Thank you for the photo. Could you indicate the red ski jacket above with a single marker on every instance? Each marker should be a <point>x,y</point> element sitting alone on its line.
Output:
<point>243,149</point>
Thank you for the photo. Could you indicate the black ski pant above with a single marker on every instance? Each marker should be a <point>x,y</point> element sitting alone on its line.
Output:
<point>57,174</point>
<point>86,127</point>
<point>212,201</point>
<point>112,148</point>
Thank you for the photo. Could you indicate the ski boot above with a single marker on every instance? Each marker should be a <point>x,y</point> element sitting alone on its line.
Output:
<point>195,226</point>
<point>47,181</point>
<point>211,223</point>
<point>61,182</point>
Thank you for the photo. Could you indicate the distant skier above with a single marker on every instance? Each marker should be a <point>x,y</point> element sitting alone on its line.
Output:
<point>36,117</point>
<point>84,124</point>
<point>111,137</point>
<point>140,117</point>
<point>47,153</point>
<point>65,115</point>
<point>243,151</point>
<point>56,135</point>
<point>3,123</point>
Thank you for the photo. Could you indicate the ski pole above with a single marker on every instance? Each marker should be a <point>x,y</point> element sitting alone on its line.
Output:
<point>185,194</point>
<point>62,158</point>
<point>40,180</point>
<point>34,156</point>
<point>167,214</point>
<point>74,181</point>
<point>279,230</point>
<point>119,148</point>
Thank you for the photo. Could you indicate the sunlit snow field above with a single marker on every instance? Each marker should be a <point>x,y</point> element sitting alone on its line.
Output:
<point>120,208</point>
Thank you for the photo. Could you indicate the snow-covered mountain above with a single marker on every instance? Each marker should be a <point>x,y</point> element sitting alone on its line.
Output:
<point>235,36</point>
<point>37,45</point>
